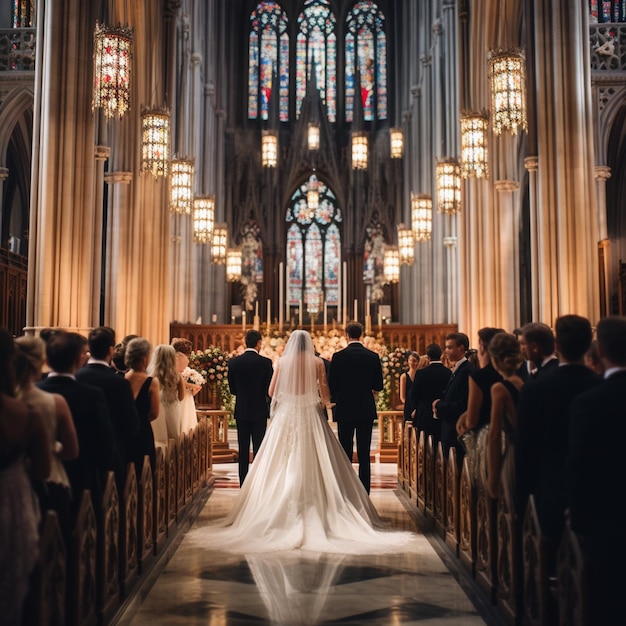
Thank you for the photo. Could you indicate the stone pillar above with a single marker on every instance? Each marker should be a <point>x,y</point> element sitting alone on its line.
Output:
<point>4,174</point>
<point>101,154</point>
<point>602,174</point>
<point>532,165</point>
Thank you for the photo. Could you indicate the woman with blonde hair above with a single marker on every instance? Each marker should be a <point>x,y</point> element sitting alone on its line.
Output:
<point>54,492</point>
<point>163,368</point>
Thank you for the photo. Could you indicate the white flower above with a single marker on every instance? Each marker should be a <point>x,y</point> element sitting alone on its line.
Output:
<point>192,376</point>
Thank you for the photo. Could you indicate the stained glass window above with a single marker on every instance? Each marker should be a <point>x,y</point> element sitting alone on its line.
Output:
<point>366,52</point>
<point>313,250</point>
<point>268,60</point>
<point>23,13</point>
<point>373,260</point>
<point>316,50</point>
<point>607,11</point>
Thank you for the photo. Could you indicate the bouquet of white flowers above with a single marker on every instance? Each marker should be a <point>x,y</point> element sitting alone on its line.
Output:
<point>193,377</point>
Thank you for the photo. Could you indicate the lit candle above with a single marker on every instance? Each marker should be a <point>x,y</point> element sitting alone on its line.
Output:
<point>243,320</point>
<point>281,295</point>
<point>367,307</point>
<point>325,316</point>
<point>269,314</point>
<point>345,292</point>
<point>256,308</point>
<point>356,310</point>
<point>380,319</point>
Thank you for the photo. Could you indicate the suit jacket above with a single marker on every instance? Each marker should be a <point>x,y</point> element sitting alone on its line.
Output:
<point>120,403</point>
<point>542,441</point>
<point>249,376</point>
<point>96,439</point>
<point>543,370</point>
<point>452,404</point>
<point>428,385</point>
<point>355,373</point>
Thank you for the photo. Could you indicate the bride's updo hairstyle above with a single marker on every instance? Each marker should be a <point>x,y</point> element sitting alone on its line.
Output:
<point>297,375</point>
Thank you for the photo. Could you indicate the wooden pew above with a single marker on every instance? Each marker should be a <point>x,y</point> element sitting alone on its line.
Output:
<point>129,533</point>
<point>108,552</point>
<point>572,589</point>
<point>148,513</point>
<point>439,491</point>
<point>419,465</point>
<point>450,514</point>
<point>467,519</point>
<point>171,499</point>
<point>486,541</point>
<point>159,498</point>
<point>509,597</point>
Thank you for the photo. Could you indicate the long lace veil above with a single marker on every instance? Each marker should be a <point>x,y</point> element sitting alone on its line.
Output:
<point>296,381</point>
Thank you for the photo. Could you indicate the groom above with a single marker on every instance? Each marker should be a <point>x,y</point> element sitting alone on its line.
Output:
<point>249,376</point>
<point>354,377</point>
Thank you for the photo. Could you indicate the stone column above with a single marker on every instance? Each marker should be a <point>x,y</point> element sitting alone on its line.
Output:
<point>532,165</point>
<point>101,154</point>
<point>602,174</point>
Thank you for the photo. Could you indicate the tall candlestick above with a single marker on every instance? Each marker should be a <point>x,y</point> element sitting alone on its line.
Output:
<point>256,307</point>
<point>269,314</point>
<point>325,317</point>
<point>345,292</point>
<point>281,295</point>
<point>356,310</point>
<point>243,320</point>
<point>367,307</point>
<point>380,319</point>
<point>300,314</point>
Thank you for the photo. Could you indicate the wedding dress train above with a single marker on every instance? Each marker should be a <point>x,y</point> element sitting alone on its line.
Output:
<point>301,491</point>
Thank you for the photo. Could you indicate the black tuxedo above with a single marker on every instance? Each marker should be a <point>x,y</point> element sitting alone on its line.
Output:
<point>542,441</point>
<point>249,376</point>
<point>452,404</point>
<point>121,406</point>
<point>355,373</point>
<point>594,481</point>
<point>428,385</point>
<point>545,369</point>
<point>96,439</point>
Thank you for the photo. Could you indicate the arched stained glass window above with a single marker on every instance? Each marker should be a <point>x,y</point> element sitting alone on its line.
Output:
<point>366,51</point>
<point>373,260</point>
<point>268,59</point>
<point>313,250</point>
<point>316,50</point>
<point>607,11</point>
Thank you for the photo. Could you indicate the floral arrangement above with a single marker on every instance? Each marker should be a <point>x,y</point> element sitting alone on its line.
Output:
<point>394,363</point>
<point>212,364</point>
<point>193,376</point>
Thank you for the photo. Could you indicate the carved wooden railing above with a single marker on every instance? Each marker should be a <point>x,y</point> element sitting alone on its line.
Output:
<point>507,561</point>
<point>86,582</point>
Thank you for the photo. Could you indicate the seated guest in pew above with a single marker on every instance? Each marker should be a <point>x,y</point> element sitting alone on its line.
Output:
<point>594,476</point>
<point>428,385</point>
<point>543,429</point>
<point>96,439</point>
<point>54,492</point>
<point>119,398</point>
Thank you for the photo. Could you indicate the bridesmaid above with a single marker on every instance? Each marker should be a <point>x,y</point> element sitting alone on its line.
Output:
<point>406,380</point>
<point>163,368</point>
<point>145,391</point>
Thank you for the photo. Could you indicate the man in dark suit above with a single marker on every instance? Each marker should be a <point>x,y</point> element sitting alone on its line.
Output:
<point>355,376</point>
<point>453,402</point>
<point>538,348</point>
<point>249,376</point>
<point>594,476</point>
<point>96,440</point>
<point>428,385</point>
<point>117,393</point>
<point>542,441</point>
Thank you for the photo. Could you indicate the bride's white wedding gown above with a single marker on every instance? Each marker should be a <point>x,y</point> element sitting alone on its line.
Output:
<point>302,493</point>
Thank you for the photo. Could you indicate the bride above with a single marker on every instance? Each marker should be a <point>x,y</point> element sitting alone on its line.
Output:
<point>301,491</point>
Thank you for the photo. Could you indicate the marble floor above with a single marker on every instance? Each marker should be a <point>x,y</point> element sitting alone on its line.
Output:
<point>209,587</point>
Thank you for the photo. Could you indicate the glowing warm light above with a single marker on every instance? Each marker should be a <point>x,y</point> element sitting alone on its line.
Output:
<point>359,150</point>
<point>314,136</point>
<point>406,245</point>
<point>203,218</point>
<point>448,176</point>
<point>233,265</point>
<point>391,264</point>
<point>181,186</point>
<point>474,145</point>
<point>219,244</point>
<point>155,141</point>
<point>421,216</point>
<point>396,141</point>
<point>507,76</point>
<point>269,148</point>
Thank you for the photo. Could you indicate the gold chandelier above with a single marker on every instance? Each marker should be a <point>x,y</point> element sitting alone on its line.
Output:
<point>448,176</point>
<point>359,150</point>
<point>181,186</point>
<point>203,218</point>
<point>233,265</point>
<point>421,216</point>
<point>313,136</point>
<point>112,54</point>
<point>396,140</point>
<point>155,141</point>
<point>391,264</point>
<point>474,145</point>
<point>406,245</point>
<point>269,148</point>
<point>219,244</point>
<point>313,195</point>
<point>507,77</point>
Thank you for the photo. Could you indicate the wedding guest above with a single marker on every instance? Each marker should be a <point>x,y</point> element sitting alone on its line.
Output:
<point>453,402</point>
<point>163,368</point>
<point>428,385</point>
<point>117,360</point>
<point>99,373</point>
<point>145,392</point>
<point>538,348</point>
<point>506,356</point>
<point>24,443</point>
<point>96,439</point>
<point>543,427</point>
<point>188,415</point>
<point>595,474</point>
<point>54,492</point>
<point>593,360</point>
<point>406,381</point>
